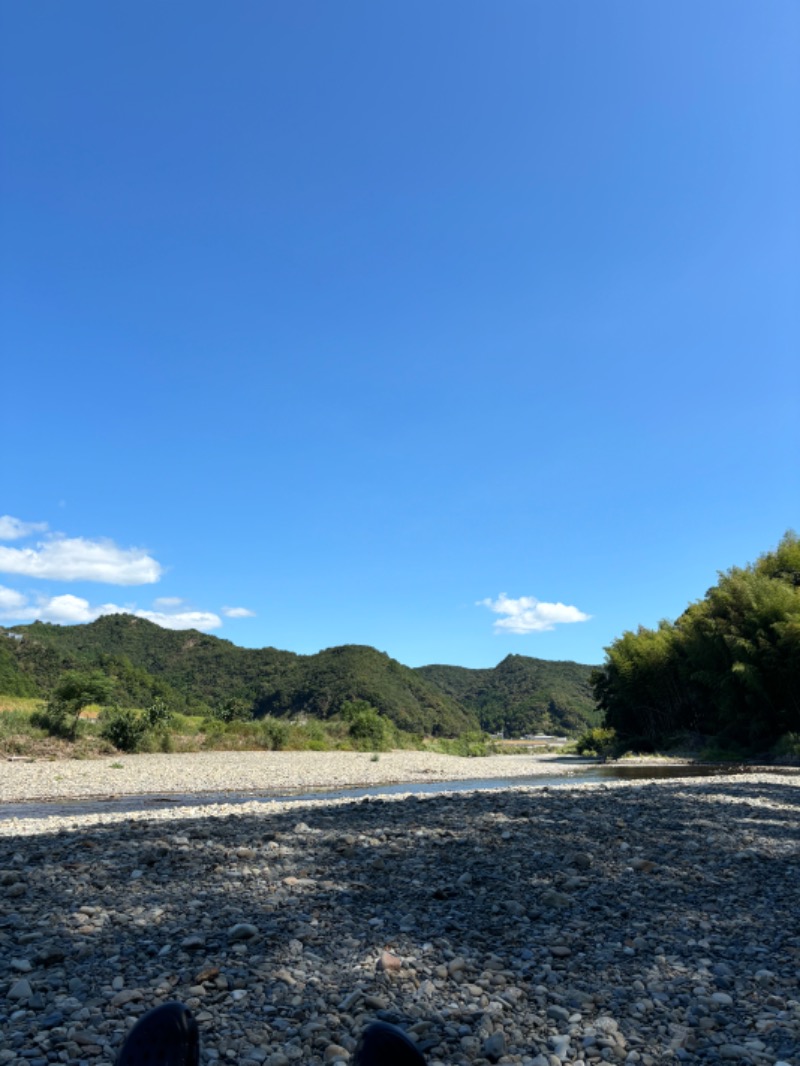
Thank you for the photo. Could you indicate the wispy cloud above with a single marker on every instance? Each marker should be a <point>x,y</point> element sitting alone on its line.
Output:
<point>15,528</point>
<point>529,615</point>
<point>167,601</point>
<point>79,559</point>
<point>238,612</point>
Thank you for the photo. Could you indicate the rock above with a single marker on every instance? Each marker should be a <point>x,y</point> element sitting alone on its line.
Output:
<point>390,962</point>
<point>334,1052</point>
<point>21,965</point>
<point>722,998</point>
<point>20,991</point>
<point>50,1021</point>
<point>196,943</point>
<point>242,931</point>
<point>127,995</point>
<point>560,1045</point>
<point>494,1047</point>
<point>645,866</point>
<point>551,898</point>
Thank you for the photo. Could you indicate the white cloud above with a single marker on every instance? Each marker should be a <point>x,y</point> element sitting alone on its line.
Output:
<point>14,528</point>
<point>168,601</point>
<point>70,610</point>
<point>79,559</point>
<point>10,600</point>
<point>202,620</point>
<point>238,612</point>
<point>14,606</point>
<point>529,615</point>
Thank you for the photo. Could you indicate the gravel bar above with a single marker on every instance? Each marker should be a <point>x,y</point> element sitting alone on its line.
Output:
<point>244,771</point>
<point>638,922</point>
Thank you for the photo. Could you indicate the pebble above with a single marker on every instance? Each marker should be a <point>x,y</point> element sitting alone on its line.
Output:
<point>505,927</point>
<point>241,931</point>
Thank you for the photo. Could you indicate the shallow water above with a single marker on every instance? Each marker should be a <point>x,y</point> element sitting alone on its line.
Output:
<point>159,801</point>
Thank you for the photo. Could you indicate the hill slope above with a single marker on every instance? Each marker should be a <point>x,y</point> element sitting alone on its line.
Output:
<point>521,695</point>
<point>196,672</point>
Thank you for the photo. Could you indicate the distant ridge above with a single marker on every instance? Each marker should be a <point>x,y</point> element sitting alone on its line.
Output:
<point>522,695</point>
<point>196,672</point>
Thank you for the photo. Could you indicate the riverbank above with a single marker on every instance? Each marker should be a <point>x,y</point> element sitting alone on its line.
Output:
<point>639,923</point>
<point>248,771</point>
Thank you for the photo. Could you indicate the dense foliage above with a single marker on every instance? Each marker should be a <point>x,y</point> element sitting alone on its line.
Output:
<point>729,667</point>
<point>320,685</point>
<point>196,673</point>
<point>13,680</point>
<point>522,695</point>
<point>74,691</point>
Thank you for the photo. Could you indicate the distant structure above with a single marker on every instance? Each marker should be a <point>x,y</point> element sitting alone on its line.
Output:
<point>534,738</point>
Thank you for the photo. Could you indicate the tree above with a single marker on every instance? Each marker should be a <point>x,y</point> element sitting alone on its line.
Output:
<point>74,691</point>
<point>368,727</point>
<point>728,667</point>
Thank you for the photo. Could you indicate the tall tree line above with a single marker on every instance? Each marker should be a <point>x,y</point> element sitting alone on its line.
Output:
<point>728,667</point>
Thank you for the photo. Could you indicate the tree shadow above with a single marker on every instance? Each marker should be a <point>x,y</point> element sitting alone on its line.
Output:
<point>495,905</point>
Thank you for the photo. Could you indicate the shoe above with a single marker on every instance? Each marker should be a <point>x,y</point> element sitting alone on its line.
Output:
<point>382,1044</point>
<point>165,1036</point>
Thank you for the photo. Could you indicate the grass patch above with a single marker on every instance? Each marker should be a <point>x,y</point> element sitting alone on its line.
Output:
<point>25,730</point>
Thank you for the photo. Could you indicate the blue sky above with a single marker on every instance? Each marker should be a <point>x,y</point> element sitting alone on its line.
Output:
<point>457,329</point>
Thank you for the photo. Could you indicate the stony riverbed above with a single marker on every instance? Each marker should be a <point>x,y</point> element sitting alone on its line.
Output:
<point>633,923</point>
<point>275,771</point>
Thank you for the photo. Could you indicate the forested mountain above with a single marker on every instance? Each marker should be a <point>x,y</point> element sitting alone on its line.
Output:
<point>728,667</point>
<point>318,685</point>
<point>521,695</point>
<point>197,672</point>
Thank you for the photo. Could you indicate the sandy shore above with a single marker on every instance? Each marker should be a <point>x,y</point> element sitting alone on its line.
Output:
<point>245,771</point>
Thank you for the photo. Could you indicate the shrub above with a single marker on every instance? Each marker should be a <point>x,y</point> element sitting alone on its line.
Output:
<point>233,709</point>
<point>599,741</point>
<point>56,718</point>
<point>273,734</point>
<point>158,715</point>
<point>124,728</point>
<point>368,728</point>
<point>468,745</point>
<point>787,750</point>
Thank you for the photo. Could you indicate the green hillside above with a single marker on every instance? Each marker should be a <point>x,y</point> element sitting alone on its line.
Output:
<point>197,672</point>
<point>13,680</point>
<point>198,669</point>
<point>317,685</point>
<point>521,695</point>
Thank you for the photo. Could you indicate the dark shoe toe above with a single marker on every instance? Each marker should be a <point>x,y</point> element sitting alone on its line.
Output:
<point>165,1036</point>
<point>382,1044</point>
